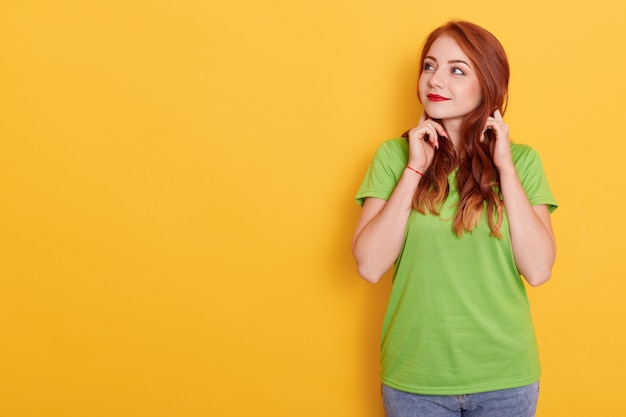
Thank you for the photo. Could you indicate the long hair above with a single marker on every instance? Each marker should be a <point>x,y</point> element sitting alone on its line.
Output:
<point>477,178</point>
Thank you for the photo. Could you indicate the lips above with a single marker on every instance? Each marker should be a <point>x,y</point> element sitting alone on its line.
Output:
<point>436,97</point>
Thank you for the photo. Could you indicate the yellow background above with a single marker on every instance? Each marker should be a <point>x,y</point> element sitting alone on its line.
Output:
<point>176,199</point>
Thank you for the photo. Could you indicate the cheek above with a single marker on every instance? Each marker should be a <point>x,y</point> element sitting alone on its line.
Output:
<point>475,93</point>
<point>478,98</point>
<point>421,87</point>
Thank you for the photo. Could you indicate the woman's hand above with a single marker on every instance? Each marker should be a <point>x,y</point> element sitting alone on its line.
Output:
<point>501,147</point>
<point>423,140</point>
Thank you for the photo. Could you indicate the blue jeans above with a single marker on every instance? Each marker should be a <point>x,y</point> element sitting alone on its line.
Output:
<point>515,402</point>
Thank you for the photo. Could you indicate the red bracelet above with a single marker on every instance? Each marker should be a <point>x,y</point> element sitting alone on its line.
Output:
<point>414,170</point>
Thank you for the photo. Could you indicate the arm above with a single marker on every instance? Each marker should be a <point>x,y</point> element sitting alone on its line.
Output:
<point>532,238</point>
<point>380,230</point>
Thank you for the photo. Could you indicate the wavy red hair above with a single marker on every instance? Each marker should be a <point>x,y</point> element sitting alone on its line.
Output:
<point>477,177</point>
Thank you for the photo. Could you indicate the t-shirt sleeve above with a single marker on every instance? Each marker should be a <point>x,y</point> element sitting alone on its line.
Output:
<point>384,171</point>
<point>533,177</point>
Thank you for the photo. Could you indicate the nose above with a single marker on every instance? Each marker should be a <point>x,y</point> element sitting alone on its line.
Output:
<point>436,80</point>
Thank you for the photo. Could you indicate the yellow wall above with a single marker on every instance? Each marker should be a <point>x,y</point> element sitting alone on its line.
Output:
<point>176,199</point>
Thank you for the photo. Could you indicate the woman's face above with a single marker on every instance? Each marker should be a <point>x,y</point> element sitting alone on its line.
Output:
<point>449,88</point>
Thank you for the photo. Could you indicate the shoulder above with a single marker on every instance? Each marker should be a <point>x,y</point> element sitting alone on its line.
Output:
<point>521,149</point>
<point>392,153</point>
<point>396,147</point>
<point>385,170</point>
<point>524,155</point>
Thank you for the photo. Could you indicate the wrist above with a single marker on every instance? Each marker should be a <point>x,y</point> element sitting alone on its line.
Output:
<point>508,169</point>
<point>415,170</point>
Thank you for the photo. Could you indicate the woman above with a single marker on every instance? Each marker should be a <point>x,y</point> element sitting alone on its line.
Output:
<point>462,213</point>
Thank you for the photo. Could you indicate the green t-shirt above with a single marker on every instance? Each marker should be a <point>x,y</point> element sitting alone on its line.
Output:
<point>458,318</point>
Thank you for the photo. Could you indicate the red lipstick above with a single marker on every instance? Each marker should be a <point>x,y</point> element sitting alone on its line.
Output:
<point>436,97</point>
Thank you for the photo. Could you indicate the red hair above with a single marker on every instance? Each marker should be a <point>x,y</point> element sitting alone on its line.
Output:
<point>477,177</point>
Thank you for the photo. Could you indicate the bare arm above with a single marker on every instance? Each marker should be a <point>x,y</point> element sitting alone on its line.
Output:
<point>532,238</point>
<point>380,230</point>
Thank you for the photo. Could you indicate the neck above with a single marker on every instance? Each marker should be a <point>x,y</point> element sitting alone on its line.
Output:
<point>453,128</point>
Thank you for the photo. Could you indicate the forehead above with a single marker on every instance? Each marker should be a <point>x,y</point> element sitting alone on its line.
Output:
<point>445,48</point>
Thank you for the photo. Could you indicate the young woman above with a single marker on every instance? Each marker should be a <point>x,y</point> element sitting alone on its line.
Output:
<point>462,213</point>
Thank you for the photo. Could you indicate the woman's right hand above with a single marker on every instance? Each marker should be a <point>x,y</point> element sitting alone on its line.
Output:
<point>423,140</point>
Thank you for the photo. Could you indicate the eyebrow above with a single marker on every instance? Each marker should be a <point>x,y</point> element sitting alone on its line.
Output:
<point>452,61</point>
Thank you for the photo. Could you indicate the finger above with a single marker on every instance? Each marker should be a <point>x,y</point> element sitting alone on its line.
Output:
<point>439,129</point>
<point>433,132</point>
<point>497,115</point>
<point>431,137</point>
<point>435,143</point>
<point>489,124</point>
<point>442,131</point>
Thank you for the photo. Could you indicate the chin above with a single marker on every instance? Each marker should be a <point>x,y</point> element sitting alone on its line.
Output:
<point>436,114</point>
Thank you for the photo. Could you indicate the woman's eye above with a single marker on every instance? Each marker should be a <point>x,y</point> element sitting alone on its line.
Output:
<point>457,71</point>
<point>428,66</point>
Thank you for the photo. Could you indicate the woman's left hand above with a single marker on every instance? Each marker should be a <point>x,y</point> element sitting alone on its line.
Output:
<point>501,147</point>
